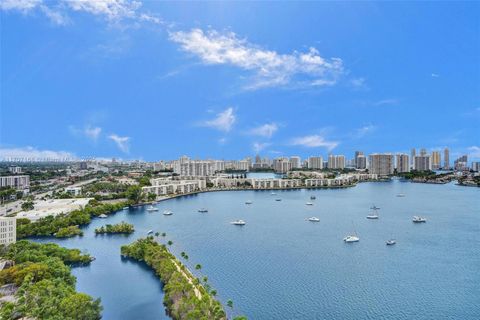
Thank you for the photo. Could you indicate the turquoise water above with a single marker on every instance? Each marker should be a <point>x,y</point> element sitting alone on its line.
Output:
<point>279,266</point>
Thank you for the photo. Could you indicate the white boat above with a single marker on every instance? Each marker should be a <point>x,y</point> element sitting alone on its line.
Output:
<point>149,231</point>
<point>351,238</point>
<point>313,219</point>
<point>248,202</point>
<point>390,242</point>
<point>238,222</point>
<point>309,204</point>
<point>373,214</point>
<point>152,208</point>
<point>401,195</point>
<point>203,210</point>
<point>167,213</point>
<point>418,219</point>
<point>273,193</point>
<point>278,199</point>
<point>125,208</point>
<point>103,216</point>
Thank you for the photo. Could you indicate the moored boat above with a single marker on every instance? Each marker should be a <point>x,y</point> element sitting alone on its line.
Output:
<point>167,213</point>
<point>203,210</point>
<point>238,222</point>
<point>418,219</point>
<point>314,219</point>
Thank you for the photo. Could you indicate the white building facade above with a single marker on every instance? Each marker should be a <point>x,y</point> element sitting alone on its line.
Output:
<point>8,230</point>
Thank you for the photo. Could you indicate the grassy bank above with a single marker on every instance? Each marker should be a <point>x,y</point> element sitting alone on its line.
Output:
<point>46,287</point>
<point>185,297</point>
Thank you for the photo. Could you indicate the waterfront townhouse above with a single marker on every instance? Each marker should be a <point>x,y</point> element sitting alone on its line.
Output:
<point>275,183</point>
<point>167,186</point>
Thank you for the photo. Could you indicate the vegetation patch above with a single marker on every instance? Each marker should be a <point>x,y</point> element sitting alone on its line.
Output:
<point>69,232</point>
<point>121,227</point>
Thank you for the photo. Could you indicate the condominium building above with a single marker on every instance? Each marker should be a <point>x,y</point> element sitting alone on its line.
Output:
<point>402,163</point>
<point>476,166</point>
<point>15,170</point>
<point>17,182</point>
<point>436,160</point>
<point>336,162</point>
<point>8,230</point>
<point>186,167</point>
<point>381,164</point>
<point>361,162</point>
<point>446,159</point>
<point>461,163</point>
<point>413,153</point>
<point>315,163</point>
<point>282,165</point>
<point>423,163</point>
<point>296,162</point>
<point>166,186</point>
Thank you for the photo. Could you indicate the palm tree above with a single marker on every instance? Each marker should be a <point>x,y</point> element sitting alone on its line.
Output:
<point>230,303</point>
<point>205,279</point>
<point>198,267</point>
<point>170,242</point>
<point>164,234</point>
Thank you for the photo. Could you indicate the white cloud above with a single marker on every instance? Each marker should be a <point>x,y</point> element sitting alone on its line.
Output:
<point>258,147</point>
<point>314,141</point>
<point>474,152</point>
<point>361,132</point>
<point>435,75</point>
<point>268,67</point>
<point>110,9</point>
<point>386,102</point>
<point>123,143</point>
<point>358,83</point>
<point>20,5</point>
<point>93,133</point>
<point>34,154</point>
<point>224,120</point>
<point>267,130</point>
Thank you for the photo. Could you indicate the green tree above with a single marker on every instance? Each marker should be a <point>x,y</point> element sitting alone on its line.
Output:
<point>27,205</point>
<point>198,266</point>
<point>134,194</point>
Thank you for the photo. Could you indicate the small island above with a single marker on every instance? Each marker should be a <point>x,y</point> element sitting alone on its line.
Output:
<point>121,227</point>
<point>68,232</point>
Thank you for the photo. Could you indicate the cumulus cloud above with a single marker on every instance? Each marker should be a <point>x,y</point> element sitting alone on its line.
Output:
<point>266,130</point>
<point>474,152</point>
<point>93,133</point>
<point>223,121</point>
<point>57,10</point>
<point>269,68</point>
<point>314,141</point>
<point>34,154</point>
<point>123,143</point>
<point>257,146</point>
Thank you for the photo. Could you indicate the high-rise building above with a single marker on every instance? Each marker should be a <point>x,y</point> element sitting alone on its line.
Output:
<point>282,165</point>
<point>461,163</point>
<point>423,152</point>
<point>423,163</point>
<point>381,164</point>
<point>413,153</point>
<point>476,166</point>
<point>436,160</point>
<point>8,232</point>
<point>16,182</point>
<point>402,163</point>
<point>15,170</point>
<point>296,162</point>
<point>446,159</point>
<point>336,161</point>
<point>315,163</point>
<point>361,162</point>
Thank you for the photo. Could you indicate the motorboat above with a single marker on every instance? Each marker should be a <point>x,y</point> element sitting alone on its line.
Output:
<point>278,199</point>
<point>273,193</point>
<point>152,208</point>
<point>373,214</point>
<point>351,238</point>
<point>203,210</point>
<point>418,219</point>
<point>238,222</point>
<point>167,213</point>
<point>149,231</point>
<point>390,242</point>
<point>401,195</point>
<point>248,202</point>
<point>313,197</point>
<point>125,208</point>
<point>309,204</point>
<point>103,216</point>
<point>313,219</point>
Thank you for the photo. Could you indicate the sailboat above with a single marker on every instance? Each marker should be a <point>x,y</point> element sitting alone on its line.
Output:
<point>373,214</point>
<point>351,237</point>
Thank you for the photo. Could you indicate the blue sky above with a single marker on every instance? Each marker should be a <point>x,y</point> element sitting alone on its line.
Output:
<point>156,80</point>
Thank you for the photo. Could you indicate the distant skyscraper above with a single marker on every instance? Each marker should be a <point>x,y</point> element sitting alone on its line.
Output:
<point>476,166</point>
<point>282,165</point>
<point>296,162</point>
<point>446,159</point>
<point>361,162</point>
<point>315,163</point>
<point>461,163</point>
<point>357,154</point>
<point>423,163</point>
<point>381,164</point>
<point>402,163</point>
<point>436,160</point>
<point>336,161</point>
<point>423,152</point>
<point>413,153</point>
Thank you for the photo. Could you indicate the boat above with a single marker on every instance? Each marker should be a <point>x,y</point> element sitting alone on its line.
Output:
<point>390,242</point>
<point>313,219</point>
<point>167,213</point>
<point>401,195</point>
<point>278,199</point>
<point>351,238</point>
<point>152,208</point>
<point>149,231</point>
<point>203,210</point>
<point>103,216</point>
<point>248,202</point>
<point>313,197</point>
<point>125,208</point>
<point>418,219</point>
<point>309,204</point>
<point>238,222</point>
<point>273,193</point>
<point>373,214</point>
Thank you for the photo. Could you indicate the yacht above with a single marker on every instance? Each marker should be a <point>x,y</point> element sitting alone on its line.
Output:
<point>401,195</point>
<point>203,210</point>
<point>313,197</point>
<point>373,214</point>
<point>167,213</point>
<point>351,238</point>
<point>390,242</point>
<point>238,222</point>
<point>103,216</point>
<point>278,199</point>
<point>152,208</point>
<point>309,204</point>
<point>313,219</point>
<point>150,232</point>
<point>248,202</point>
<point>418,219</point>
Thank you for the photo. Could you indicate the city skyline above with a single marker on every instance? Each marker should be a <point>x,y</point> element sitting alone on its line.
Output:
<point>112,81</point>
